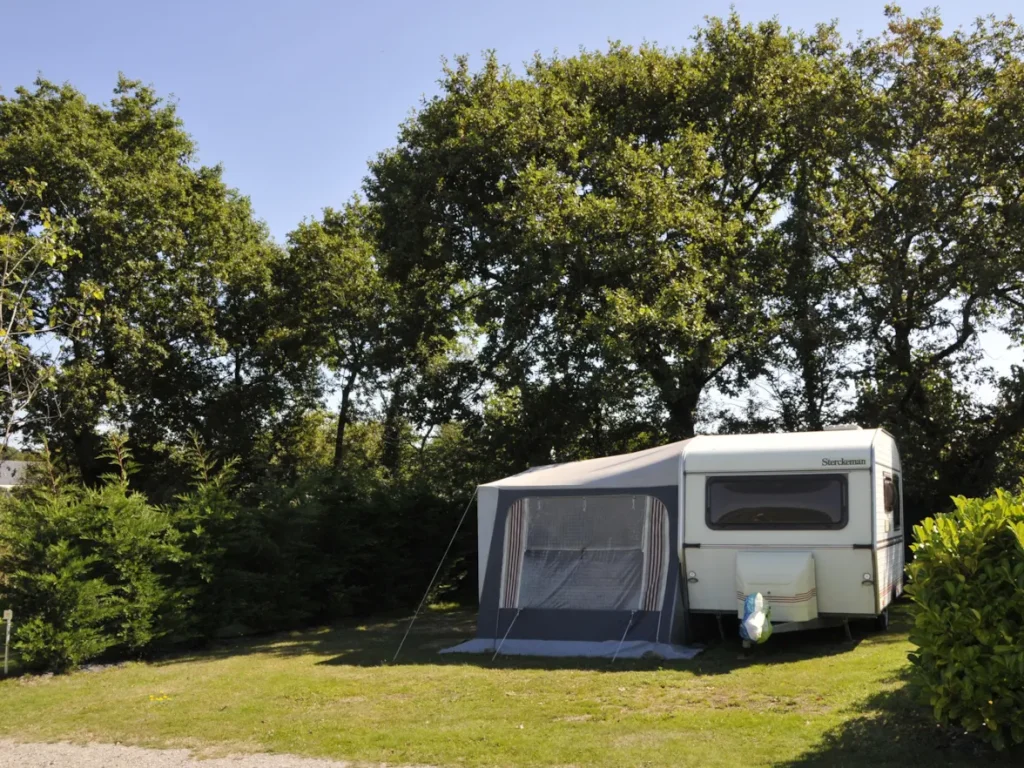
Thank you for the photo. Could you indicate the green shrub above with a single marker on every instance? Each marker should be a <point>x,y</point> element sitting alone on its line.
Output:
<point>134,546</point>
<point>96,571</point>
<point>206,519</point>
<point>967,584</point>
<point>86,571</point>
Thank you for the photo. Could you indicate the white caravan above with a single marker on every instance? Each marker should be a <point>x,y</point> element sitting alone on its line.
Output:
<point>612,556</point>
<point>813,521</point>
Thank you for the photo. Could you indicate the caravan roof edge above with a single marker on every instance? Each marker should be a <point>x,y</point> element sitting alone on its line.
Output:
<point>841,450</point>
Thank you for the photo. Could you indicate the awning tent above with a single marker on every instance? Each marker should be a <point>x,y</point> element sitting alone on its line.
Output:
<point>581,559</point>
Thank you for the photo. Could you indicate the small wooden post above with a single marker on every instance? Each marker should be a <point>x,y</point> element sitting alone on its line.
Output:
<point>8,617</point>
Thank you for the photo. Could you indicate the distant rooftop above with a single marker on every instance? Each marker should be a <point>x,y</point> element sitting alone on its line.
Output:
<point>14,473</point>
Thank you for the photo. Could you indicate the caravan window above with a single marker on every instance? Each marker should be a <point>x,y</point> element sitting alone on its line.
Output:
<point>897,503</point>
<point>891,494</point>
<point>774,502</point>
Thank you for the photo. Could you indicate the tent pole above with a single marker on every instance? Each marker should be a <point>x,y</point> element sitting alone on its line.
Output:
<point>434,577</point>
<point>498,650</point>
<point>629,624</point>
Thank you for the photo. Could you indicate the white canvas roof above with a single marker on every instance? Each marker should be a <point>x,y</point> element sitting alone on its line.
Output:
<point>643,469</point>
<point>831,450</point>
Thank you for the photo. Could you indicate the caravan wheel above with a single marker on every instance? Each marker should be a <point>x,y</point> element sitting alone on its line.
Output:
<point>883,620</point>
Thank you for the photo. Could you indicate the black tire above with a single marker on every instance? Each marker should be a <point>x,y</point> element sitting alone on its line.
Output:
<point>882,621</point>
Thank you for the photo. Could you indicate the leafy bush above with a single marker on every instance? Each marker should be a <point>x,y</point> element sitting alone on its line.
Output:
<point>206,518</point>
<point>101,570</point>
<point>86,571</point>
<point>967,583</point>
<point>61,606</point>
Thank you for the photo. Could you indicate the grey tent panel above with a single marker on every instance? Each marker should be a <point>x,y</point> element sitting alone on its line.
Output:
<point>547,583</point>
<point>576,625</point>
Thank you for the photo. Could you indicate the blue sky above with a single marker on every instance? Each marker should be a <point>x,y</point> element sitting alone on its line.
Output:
<point>294,97</point>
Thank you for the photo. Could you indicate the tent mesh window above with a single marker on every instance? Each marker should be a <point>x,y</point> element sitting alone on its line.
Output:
<point>586,553</point>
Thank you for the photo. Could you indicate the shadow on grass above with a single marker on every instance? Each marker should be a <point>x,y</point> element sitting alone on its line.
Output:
<point>365,640</point>
<point>377,645</point>
<point>374,643</point>
<point>892,729</point>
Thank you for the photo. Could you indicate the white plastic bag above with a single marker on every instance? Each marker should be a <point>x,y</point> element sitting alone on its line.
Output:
<point>753,618</point>
<point>756,626</point>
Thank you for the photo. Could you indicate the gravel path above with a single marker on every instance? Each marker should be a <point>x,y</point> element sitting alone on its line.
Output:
<point>15,755</point>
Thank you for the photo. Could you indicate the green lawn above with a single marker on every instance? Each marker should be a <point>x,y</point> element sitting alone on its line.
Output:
<point>811,699</point>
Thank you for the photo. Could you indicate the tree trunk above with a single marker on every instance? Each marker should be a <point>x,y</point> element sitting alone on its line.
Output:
<point>805,290</point>
<point>681,415</point>
<point>679,389</point>
<point>391,455</point>
<point>811,370</point>
<point>339,438</point>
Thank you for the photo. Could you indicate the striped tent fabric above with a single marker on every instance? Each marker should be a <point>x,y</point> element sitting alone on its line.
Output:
<point>515,540</point>
<point>656,547</point>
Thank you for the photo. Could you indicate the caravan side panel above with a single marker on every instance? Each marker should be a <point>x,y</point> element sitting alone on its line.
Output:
<point>890,571</point>
<point>486,510</point>
<point>890,529</point>
<point>884,462</point>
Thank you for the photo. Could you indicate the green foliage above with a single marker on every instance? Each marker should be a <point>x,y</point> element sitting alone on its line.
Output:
<point>63,606</point>
<point>28,258</point>
<point>931,201</point>
<point>165,264</point>
<point>336,306</point>
<point>571,260</point>
<point>967,584</point>
<point>826,229</point>
<point>86,570</point>
<point>604,215</point>
<point>204,520</point>
<point>100,570</point>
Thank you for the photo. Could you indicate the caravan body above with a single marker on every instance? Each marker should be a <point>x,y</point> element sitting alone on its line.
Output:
<point>811,520</point>
<point>609,556</point>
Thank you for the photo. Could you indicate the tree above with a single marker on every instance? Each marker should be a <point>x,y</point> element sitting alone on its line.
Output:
<point>932,193</point>
<point>30,331</point>
<point>174,257</point>
<point>812,355</point>
<point>335,303</point>
<point>608,217</point>
<point>88,569</point>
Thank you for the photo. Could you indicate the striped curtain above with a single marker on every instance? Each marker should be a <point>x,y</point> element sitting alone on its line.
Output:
<point>656,550</point>
<point>515,542</point>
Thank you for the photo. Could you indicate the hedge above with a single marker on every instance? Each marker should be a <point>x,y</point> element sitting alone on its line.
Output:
<point>967,585</point>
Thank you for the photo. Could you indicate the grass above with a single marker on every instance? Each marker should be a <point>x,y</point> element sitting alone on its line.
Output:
<point>804,700</point>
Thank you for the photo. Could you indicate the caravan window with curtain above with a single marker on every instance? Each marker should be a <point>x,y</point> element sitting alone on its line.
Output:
<point>891,497</point>
<point>777,502</point>
<point>897,503</point>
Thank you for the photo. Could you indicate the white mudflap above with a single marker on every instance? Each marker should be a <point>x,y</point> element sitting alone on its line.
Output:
<point>785,579</point>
